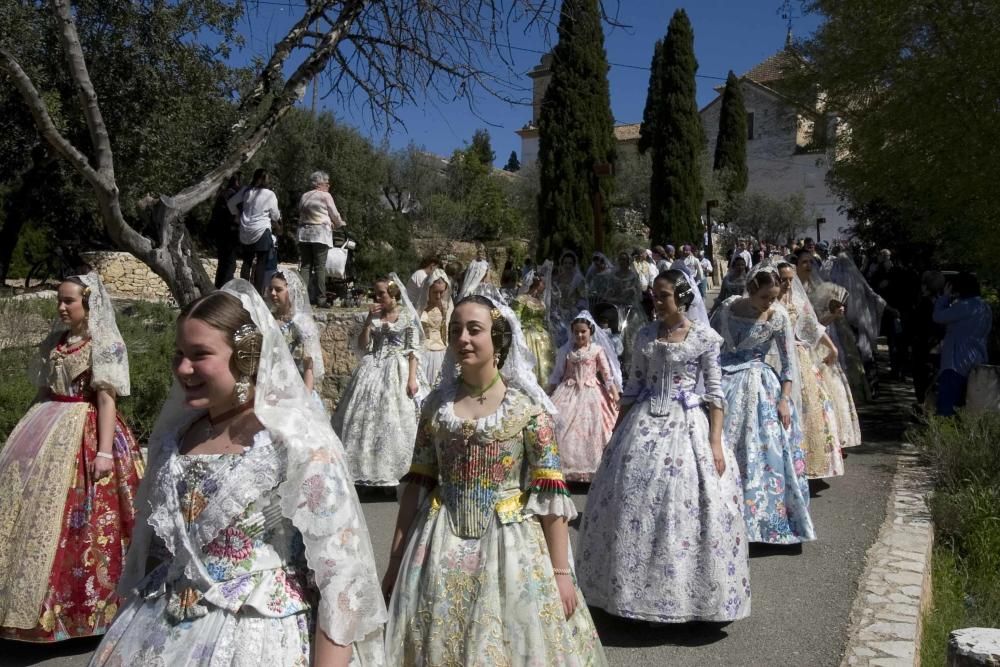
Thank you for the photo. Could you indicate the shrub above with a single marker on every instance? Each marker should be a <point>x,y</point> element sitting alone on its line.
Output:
<point>148,330</point>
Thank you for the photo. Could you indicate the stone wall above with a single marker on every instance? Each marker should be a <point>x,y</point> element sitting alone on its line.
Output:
<point>338,331</point>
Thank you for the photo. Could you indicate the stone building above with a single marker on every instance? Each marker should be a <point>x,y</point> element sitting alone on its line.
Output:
<point>789,147</point>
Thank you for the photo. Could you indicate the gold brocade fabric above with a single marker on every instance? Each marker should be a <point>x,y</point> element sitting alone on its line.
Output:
<point>33,536</point>
<point>66,367</point>
<point>531,312</point>
<point>435,329</point>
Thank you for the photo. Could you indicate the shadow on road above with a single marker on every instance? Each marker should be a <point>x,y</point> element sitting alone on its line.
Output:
<point>22,654</point>
<point>620,632</point>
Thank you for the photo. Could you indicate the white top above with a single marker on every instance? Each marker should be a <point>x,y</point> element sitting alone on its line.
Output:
<point>694,268</point>
<point>318,217</point>
<point>260,209</point>
<point>415,285</point>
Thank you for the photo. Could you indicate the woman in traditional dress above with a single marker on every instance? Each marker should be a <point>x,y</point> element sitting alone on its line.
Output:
<point>532,310</point>
<point>477,272</point>
<point>290,304</point>
<point>663,538</point>
<point>570,289</point>
<point>735,280</point>
<point>250,546</point>
<point>598,279</point>
<point>821,439</point>
<point>625,294</point>
<point>831,376</point>
<point>829,300</point>
<point>434,305</point>
<point>479,571</point>
<point>760,421</point>
<point>587,381</point>
<point>68,478</point>
<point>376,418</point>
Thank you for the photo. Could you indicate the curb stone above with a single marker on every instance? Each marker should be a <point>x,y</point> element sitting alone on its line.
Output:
<point>895,589</point>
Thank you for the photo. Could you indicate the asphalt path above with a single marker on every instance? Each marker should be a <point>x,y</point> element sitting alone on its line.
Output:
<point>801,596</point>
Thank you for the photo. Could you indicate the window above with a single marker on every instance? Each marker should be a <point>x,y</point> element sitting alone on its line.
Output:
<point>750,126</point>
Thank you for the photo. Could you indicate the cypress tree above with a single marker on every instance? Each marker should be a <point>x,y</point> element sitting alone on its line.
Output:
<point>513,164</point>
<point>671,131</point>
<point>576,132</point>
<point>731,143</point>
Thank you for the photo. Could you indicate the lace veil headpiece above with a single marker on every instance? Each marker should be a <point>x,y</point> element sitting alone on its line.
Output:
<point>303,318</point>
<point>601,338</point>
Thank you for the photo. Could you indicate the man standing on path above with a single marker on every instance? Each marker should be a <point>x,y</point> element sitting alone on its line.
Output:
<point>226,228</point>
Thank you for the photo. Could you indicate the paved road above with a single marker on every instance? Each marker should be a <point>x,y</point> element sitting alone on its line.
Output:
<point>802,596</point>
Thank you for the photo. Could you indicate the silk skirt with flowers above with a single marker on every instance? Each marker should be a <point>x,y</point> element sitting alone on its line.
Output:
<point>820,427</point>
<point>63,534</point>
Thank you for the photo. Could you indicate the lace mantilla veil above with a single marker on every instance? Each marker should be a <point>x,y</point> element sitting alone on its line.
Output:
<point>600,338</point>
<point>474,276</point>
<point>303,318</point>
<point>317,494</point>
<point>518,369</point>
<point>109,357</point>
<point>425,294</point>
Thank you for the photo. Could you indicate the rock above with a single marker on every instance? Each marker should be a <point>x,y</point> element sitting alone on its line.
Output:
<point>974,646</point>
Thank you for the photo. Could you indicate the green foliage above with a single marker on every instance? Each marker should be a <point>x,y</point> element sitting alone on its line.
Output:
<point>764,217</point>
<point>965,506</point>
<point>671,131</point>
<point>148,330</point>
<point>731,142</point>
<point>915,82</point>
<point>482,148</point>
<point>576,133</point>
<point>513,164</point>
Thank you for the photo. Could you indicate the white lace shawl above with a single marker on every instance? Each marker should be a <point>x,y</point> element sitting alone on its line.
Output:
<point>474,275</point>
<point>109,356</point>
<point>316,492</point>
<point>303,318</point>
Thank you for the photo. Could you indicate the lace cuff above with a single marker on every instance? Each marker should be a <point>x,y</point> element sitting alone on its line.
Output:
<point>548,495</point>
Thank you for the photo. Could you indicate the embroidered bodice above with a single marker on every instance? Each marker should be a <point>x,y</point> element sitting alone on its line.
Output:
<point>477,465</point>
<point>664,371</point>
<point>68,371</point>
<point>748,340</point>
<point>389,339</point>
<point>435,329</point>
<point>296,343</point>
<point>582,367</point>
<point>221,537</point>
<point>531,312</point>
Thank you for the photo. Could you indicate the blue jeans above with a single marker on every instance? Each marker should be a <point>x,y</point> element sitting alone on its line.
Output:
<point>951,392</point>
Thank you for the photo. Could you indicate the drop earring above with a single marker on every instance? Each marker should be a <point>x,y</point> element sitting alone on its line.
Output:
<point>242,389</point>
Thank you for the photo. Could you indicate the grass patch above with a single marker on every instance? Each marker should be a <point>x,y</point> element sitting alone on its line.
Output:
<point>964,457</point>
<point>148,330</point>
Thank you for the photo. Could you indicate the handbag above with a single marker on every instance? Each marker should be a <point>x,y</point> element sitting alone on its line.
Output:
<point>336,261</point>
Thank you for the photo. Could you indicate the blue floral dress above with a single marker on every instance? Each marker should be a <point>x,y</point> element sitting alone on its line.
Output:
<point>476,585</point>
<point>259,609</point>
<point>663,537</point>
<point>771,458</point>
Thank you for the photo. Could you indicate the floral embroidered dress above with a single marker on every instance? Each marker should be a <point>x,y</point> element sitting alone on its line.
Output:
<point>218,517</point>
<point>587,412</point>
<point>63,535</point>
<point>770,458</point>
<point>476,585</point>
<point>296,341</point>
<point>434,345</point>
<point>375,419</point>
<point>663,537</point>
<point>818,419</point>
<point>531,313</point>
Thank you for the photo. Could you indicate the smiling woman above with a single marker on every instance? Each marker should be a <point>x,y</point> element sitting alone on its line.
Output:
<point>68,475</point>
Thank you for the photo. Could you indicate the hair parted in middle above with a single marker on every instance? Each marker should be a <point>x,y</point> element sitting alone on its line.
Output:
<point>764,278</point>
<point>223,311</point>
<point>582,320</point>
<point>683,290</point>
<point>500,332</point>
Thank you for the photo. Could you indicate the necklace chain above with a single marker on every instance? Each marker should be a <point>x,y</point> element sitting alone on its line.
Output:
<point>477,392</point>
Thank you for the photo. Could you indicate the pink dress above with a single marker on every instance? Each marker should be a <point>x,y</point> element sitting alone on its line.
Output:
<point>587,413</point>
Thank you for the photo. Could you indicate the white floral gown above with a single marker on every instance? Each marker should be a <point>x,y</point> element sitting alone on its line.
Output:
<point>476,585</point>
<point>375,419</point>
<point>259,606</point>
<point>663,537</point>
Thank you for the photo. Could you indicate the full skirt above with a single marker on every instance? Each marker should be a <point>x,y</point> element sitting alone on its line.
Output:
<point>483,601</point>
<point>663,537</point>
<point>377,421</point>
<point>540,343</point>
<point>431,362</point>
<point>820,429</point>
<point>770,457</point>
<point>587,416</point>
<point>845,411</point>
<point>63,534</point>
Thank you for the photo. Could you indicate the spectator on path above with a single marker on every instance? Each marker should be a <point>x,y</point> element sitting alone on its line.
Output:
<point>741,251</point>
<point>967,319</point>
<point>660,259</point>
<point>257,207</point>
<point>226,228</point>
<point>416,282</point>
<point>706,266</point>
<point>694,269</point>
<point>924,335</point>
<point>318,217</point>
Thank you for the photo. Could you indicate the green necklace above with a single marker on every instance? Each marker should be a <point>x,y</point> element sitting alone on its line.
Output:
<point>476,392</point>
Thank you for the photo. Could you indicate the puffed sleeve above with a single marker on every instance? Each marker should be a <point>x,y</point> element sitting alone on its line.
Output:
<point>547,487</point>
<point>423,465</point>
<point>637,376</point>
<point>711,371</point>
<point>411,336</point>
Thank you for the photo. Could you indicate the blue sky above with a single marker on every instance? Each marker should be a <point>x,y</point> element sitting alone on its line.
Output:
<point>729,34</point>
